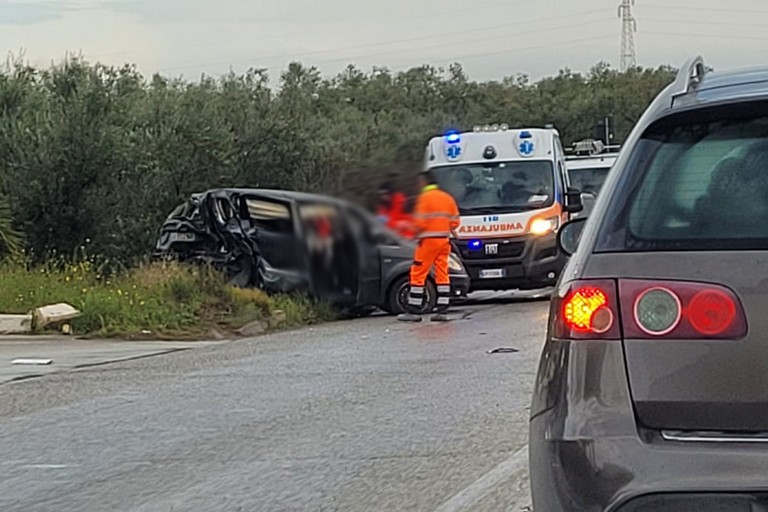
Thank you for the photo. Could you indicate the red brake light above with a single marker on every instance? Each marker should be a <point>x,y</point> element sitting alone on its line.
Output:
<point>711,312</point>
<point>587,311</point>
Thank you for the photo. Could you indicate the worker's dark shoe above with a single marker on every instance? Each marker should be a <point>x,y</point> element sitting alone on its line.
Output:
<point>409,317</point>
<point>440,317</point>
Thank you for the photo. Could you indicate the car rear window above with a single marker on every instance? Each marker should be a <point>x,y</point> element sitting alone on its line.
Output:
<point>695,181</point>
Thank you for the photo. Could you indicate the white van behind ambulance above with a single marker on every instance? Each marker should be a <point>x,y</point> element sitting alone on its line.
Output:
<point>512,190</point>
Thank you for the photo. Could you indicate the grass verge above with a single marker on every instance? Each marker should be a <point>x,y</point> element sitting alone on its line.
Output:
<point>167,300</point>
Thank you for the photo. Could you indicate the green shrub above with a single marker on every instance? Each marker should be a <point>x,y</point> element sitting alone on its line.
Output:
<point>159,297</point>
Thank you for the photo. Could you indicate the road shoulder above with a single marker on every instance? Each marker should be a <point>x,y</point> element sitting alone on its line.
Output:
<point>66,353</point>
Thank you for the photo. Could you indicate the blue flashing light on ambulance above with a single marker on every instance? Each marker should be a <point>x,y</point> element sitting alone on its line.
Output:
<point>513,193</point>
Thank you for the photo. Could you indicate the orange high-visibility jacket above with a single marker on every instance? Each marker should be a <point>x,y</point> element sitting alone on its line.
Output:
<point>436,214</point>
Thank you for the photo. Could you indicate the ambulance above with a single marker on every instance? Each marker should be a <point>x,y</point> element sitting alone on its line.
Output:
<point>588,163</point>
<point>513,193</point>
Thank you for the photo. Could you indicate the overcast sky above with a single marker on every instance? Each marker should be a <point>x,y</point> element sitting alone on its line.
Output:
<point>491,38</point>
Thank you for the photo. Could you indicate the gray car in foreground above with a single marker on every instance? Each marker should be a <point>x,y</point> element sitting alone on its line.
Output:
<point>652,390</point>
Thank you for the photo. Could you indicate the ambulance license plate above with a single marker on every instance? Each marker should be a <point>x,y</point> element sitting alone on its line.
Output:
<point>492,273</point>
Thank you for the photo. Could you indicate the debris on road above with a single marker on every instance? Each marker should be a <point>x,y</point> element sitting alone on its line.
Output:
<point>46,316</point>
<point>503,350</point>
<point>42,362</point>
<point>255,328</point>
<point>278,317</point>
<point>54,314</point>
<point>15,324</point>
<point>217,335</point>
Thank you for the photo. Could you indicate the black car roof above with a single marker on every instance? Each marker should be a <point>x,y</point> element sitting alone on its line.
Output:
<point>289,195</point>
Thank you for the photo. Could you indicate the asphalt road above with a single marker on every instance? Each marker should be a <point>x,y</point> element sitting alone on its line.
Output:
<point>367,415</point>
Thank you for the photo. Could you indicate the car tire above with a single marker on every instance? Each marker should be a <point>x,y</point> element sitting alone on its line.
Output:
<point>397,296</point>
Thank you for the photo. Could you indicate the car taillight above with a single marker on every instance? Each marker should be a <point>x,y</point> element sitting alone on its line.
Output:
<point>645,309</point>
<point>658,311</point>
<point>588,310</point>
<point>711,312</point>
<point>680,310</point>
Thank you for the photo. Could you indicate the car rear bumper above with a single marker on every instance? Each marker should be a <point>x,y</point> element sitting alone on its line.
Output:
<point>526,263</point>
<point>588,454</point>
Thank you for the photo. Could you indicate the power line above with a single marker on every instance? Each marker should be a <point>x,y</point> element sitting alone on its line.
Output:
<point>628,29</point>
<point>701,22</point>
<point>536,47</point>
<point>409,40</point>
<point>712,36</point>
<point>220,42</point>
<point>484,39</point>
<point>708,9</point>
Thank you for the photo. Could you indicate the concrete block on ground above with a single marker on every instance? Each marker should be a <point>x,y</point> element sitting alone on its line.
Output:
<point>15,324</point>
<point>253,329</point>
<point>278,317</point>
<point>54,314</point>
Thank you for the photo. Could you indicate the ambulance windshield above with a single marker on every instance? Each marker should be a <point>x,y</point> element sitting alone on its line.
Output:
<point>499,187</point>
<point>588,179</point>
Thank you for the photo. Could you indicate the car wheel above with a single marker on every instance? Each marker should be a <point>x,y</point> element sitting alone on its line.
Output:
<point>397,298</point>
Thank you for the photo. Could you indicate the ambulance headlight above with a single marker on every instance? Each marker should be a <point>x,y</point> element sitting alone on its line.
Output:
<point>454,263</point>
<point>544,226</point>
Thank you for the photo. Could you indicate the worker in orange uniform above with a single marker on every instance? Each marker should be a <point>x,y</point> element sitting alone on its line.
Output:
<point>436,218</point>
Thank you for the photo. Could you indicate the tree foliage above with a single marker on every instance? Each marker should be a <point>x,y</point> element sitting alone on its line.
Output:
<point>10,239</point>
<point>98,154</point>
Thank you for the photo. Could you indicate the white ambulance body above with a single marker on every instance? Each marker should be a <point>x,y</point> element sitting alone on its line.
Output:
<point>510,187</point>
<point>588,163</point>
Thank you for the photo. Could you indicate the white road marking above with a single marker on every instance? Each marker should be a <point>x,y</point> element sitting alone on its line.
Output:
<point>46,466</point>
<point>485,484</point>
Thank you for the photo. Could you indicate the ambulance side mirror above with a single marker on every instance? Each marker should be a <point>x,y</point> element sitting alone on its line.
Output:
<point>573,203</point>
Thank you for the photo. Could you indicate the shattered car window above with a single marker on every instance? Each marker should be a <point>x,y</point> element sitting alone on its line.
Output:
<point>270,215</point>
<point>266,210</point>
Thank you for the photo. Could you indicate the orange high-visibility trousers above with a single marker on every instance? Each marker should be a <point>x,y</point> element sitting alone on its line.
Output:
<point>430,252</point>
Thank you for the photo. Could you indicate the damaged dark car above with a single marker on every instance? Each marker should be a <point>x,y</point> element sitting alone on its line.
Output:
<point>286,242</point>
